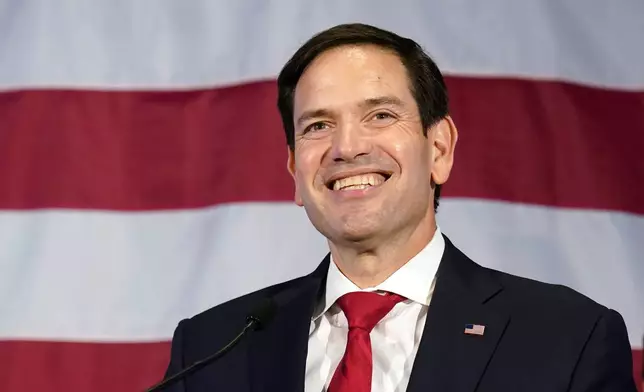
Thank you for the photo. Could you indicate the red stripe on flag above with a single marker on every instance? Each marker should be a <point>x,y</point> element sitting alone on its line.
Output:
<point>638,369</point>
<point>521,141</point>
<point>99,367</point>
<point>141,150</point>
<point>548,143</point>
<point>80,367</point>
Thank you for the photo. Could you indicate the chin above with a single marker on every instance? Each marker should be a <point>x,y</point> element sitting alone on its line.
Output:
<point>352,233</point>
<point>356,225</point>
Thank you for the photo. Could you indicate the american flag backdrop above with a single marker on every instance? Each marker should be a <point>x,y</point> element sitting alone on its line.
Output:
<point>143,164</point>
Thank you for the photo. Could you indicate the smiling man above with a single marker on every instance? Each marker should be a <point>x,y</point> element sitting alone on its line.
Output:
<point>395,305</point>
<point>366,163</point>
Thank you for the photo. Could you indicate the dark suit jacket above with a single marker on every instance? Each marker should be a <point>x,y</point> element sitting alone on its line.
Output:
<point>538,337</point>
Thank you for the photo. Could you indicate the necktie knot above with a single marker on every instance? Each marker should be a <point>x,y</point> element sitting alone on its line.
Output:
<point>365,309</point>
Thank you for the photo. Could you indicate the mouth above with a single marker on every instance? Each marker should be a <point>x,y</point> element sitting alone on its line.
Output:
<point>356,182</point>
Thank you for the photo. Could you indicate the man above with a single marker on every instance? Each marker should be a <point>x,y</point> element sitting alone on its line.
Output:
<point>395,306</point>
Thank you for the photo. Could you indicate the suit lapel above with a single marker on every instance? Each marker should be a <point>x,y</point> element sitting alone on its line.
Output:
<point>447,358</point>
<point>277,355</point>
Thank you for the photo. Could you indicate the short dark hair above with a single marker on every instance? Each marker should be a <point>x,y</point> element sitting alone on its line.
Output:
<point>426,81</point>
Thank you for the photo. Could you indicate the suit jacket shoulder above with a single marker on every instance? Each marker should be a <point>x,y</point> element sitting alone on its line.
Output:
<point>215,327</point>
<point>549,300</point>
<point>524,296</point>
<point>205,333</point>
<point>549,336</point>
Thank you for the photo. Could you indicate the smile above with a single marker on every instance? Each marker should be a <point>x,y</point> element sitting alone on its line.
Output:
<point>358,182</point>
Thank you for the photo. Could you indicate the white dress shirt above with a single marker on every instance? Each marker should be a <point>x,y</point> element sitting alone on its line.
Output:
<point>394,340</point>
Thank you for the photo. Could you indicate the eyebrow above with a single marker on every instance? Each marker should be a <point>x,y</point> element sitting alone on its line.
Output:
<point>384,100</point>
<point>366,104</point>
<point>310,114</point>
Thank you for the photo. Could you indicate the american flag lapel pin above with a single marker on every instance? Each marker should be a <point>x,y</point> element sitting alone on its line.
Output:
<point>474,329</point>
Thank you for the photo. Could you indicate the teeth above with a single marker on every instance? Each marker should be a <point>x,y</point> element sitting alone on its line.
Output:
<point>354,187</point>
<point>358,182</point>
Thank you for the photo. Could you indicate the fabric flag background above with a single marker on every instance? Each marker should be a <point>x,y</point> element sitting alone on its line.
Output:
<point>142,163</point>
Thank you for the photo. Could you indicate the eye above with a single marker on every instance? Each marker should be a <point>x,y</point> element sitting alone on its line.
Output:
<point>382,116</point>
<point>318,126</point>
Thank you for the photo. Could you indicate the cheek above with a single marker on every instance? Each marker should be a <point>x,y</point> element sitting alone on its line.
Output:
<point>402,138</point>
<point>306,167</point>
<point>407,151</point>
<point>309,158</point>
<point>398,147</point>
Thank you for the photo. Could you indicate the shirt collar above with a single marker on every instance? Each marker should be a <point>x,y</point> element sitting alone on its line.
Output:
<point>414,280</point>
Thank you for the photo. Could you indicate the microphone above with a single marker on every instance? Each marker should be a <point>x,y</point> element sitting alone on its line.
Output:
<point>259,318</point>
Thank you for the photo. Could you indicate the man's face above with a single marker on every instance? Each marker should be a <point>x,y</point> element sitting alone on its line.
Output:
<point>362,166</point>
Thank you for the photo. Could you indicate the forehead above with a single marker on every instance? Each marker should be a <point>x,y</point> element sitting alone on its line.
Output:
<point>348,75</point>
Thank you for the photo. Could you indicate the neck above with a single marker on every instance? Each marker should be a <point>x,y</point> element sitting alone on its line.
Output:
<point>368,265</point>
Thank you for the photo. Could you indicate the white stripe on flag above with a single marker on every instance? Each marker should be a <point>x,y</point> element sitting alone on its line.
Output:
<point>105,276</point>
<point>168,44</point>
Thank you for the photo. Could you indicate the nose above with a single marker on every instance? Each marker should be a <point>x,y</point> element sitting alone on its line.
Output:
<point>349,143</point>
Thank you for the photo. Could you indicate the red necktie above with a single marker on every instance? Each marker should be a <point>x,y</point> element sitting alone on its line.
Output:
<point>363,311</point>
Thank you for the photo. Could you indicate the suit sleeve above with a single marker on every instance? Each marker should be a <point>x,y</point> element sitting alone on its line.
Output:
<point>606,364</point>
<point>176,359</point>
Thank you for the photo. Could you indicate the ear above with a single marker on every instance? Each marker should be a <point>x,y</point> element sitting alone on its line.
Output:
<point>290,166</point>
<point>443,146</point>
